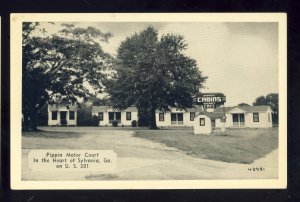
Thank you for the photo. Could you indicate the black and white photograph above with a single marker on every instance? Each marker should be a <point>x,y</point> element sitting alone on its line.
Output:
<point>168,101</point>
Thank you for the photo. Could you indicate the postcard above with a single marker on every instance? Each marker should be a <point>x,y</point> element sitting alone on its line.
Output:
<point>148,101</point>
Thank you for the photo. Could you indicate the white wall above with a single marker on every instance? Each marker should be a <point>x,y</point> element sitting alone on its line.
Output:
<point>105,122</point>
<point>167,118</point>
<point>263,120</point>
<point>57,122</point>
<point>134,116</point>
<point>206,129</point>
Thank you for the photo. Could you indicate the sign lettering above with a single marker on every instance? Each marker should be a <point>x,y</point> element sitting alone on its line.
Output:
<point>211,100</point>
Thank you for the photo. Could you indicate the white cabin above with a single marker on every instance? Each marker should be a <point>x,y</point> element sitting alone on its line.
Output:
<point>62,114</point>
<point>107,115</point>
<point>203,124</point>
<point>176,117</point>
<point>245,116</point>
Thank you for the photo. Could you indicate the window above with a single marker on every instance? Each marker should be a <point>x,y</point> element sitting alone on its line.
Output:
<point>255,117</point>
<point>192,116</point>
<point>128,116</point>
<point>269,117</point>
<point>54,115</point>
<point>202,121</point>
<point>161,117</point>
<point>71,115</point>
<point>100,116</point>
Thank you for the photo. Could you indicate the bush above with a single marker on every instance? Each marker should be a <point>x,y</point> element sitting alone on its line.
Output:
<point>63,122</point>
<point>95,121</point>
<point>133,123</point>
<point>42,116</point>
<point>84,122</point>
<point>91,121</point>
<point>115,123</point>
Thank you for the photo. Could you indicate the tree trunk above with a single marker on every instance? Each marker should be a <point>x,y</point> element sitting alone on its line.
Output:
<point>25,122</point>
<point>33,124</point>
<point>152,118</point>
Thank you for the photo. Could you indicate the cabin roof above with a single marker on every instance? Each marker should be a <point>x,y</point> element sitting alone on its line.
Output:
<point>56,107</point>
<point>96,109</point>
<point>248,109</point>
<point>190,109</point>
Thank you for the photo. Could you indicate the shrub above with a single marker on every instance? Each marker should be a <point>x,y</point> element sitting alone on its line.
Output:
<point>95,121</point>
<point>134,123</point>
<point>42,116</point>
<point>63,122</point>
<point>115,123</point>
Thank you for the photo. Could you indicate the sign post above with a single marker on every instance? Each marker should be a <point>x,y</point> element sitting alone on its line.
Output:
<point>212,101</point>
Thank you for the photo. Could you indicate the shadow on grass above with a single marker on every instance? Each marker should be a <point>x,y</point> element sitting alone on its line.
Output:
<point>51,134</point>
<point>235,146</point>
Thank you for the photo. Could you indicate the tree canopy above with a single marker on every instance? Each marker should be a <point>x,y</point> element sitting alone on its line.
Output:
<point>154,73</point>
<point>69,63</point>
<point>271,100</point>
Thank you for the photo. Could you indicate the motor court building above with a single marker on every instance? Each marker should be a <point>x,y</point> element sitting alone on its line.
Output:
<point>107,115</point>
<point>176,117</point>
<point>62,114</point>
<point>245,116</point>
<point>236,117</point>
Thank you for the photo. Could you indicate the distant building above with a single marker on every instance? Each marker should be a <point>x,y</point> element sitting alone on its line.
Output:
<point>176,117</point>
<point>107,115</point>
<point>203,123</point>
<point>62,114</point>
<point>244,116</point>
<point>236,117</point>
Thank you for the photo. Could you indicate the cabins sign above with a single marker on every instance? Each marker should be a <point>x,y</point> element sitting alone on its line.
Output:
<point>211,100</point>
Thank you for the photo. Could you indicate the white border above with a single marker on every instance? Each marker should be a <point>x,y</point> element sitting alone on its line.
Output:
<point>16,86</point>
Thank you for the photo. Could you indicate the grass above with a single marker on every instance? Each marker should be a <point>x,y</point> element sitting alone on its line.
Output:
<point>236,146</point>
<point>52,134</point>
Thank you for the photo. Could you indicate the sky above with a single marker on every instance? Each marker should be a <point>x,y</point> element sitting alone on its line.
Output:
<point>240,59</point>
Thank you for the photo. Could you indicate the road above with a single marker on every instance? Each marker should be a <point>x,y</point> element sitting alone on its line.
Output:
<point>141,159</point>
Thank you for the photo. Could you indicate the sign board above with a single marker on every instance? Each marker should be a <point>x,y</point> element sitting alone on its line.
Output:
<point>210,100</point>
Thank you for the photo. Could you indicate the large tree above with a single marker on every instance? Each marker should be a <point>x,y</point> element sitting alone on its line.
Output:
<point>271,100</point>
<point>154,73</point>
<point>69,63</point>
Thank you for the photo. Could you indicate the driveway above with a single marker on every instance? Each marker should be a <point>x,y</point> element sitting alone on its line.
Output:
<point>140,159</point>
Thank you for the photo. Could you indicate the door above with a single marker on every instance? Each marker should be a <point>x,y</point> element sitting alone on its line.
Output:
<point>176,118</point>
<point>111,116</point>
<point>173,119</point>
<point>114,116</point>
<point>63,118</point>
<point>242,119</point>
<point>213,123</point>
<point>235,119</point>
<point>180,118</point>
<point>118,117</point>
<point>238,119</point>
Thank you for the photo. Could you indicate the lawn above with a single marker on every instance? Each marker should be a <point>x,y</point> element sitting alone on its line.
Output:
<point>51,134</point>
<point>236,146</point>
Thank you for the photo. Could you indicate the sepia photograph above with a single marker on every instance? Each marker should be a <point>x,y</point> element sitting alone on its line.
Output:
<point>159,101</point>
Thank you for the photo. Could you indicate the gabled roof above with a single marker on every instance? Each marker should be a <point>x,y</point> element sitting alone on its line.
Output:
<point>193,109</point>
<point>130,109</point>
<point>222,109</point>
<point>96,109</point>
<point>55,107</point>
<point>211,115</point>
<point>248,109</point>
<point>261,108</point>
